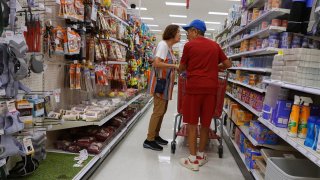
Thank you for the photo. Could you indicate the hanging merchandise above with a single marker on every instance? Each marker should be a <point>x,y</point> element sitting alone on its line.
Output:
<point>72,42</point>
<point>33,33</point>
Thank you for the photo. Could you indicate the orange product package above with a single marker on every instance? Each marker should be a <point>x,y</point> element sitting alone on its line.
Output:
<point>72,72</point>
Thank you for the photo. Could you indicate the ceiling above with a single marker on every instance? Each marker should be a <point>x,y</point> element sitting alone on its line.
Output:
<point>198,9</point>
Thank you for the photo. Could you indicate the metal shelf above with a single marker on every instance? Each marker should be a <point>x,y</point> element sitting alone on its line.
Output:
<point>264,51</point>
<point>117,62</point>
<point>273,13</point>
<point>247,106</point>
<point>117,41</point>
<point>228,28</point>
<point>248,86</point>
<point>261,34</point>
<point>240,153</point>
<point>267,70</point>
<point>310,90</point>
<point>118,18</point>
<point>296,143</point>
<point>74,124</point>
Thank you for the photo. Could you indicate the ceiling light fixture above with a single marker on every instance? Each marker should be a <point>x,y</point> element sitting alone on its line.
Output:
<point>147,18</point>
<point>178,16</point>
<point>180,24</point>
<point>183,34</point>
<point>140,8</point>
<point>218,13</point>
<point>175,4</point>
<point>155,30</point>
<point>211,29</point>
<point>152,25</point>
<point>208,22</point>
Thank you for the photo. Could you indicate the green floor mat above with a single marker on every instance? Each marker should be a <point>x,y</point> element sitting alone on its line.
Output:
<point>57,166</point>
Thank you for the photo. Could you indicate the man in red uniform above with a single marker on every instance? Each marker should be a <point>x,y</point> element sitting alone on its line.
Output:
<point>202,59</point>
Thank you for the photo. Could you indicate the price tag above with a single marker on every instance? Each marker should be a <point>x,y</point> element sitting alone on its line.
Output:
<point>41,6</point>
<point>48,10</point>
<point>57,41</point>
<point>24,28</point>
<point>28,147</point>
<point>302,150</point>
<point>2,92</point>
<point>11,105</point>
<point>312,157</point>
<point>56,94</point>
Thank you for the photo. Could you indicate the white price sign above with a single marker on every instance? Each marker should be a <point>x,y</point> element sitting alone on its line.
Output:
<point>302,150</point>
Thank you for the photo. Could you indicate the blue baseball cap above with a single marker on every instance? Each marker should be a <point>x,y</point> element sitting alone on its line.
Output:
<point>198,24</point>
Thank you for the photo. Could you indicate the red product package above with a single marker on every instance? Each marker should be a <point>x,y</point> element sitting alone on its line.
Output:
<point>95,148</point>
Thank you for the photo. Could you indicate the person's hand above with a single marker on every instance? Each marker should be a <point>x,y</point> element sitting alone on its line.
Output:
<point>175,66</point>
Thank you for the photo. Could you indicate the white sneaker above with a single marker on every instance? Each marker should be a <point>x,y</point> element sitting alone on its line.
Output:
<point>194,166</point>
<point>202,160</point>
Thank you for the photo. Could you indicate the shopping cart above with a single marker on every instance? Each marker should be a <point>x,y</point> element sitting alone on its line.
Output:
<point>181,129</point>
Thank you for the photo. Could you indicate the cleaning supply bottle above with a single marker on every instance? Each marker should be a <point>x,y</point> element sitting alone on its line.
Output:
<point>304,116</point>
<point>311,131</point>
<point>294,117</point>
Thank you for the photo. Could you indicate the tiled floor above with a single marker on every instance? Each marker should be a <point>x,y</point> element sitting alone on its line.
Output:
<point>129,160</point>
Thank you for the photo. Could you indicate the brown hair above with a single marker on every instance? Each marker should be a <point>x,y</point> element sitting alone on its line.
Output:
<point>170,32</point>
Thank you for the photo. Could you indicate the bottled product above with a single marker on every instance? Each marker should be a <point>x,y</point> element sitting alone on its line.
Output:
<point>316,142</point>
<point>304,116</point>
<point>294,117</point>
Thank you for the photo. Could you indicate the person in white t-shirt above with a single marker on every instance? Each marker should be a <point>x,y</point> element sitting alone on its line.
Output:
<point>161,85</point>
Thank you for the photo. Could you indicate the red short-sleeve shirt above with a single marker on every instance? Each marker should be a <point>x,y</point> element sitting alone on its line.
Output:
<point>201,57</point>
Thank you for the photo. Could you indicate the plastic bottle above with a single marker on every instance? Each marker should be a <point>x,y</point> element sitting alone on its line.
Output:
<point>311,132</point>
<point>294,117</point>
<point>304,116</point>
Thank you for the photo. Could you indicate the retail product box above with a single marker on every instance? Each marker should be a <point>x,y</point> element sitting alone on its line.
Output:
<point>262,134</point>
<point>267,112</point>
<point>251,156</point>
<point>231,109</point>
<point>242,142</point>
<point>281,113</point>
<point>38,107</point>
<point>25,109</point>
<point>237,136</point>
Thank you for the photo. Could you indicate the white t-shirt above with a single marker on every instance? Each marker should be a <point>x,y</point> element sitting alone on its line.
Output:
<point>162,50</point>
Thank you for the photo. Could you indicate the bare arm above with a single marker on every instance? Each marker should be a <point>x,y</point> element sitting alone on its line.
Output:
<point>225,65</point>
<point>157,63</point>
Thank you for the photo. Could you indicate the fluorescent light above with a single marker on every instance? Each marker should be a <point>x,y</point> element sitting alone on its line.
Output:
<point>178,16</point>
<point>180,24</point>
<point>183,40</point>
<point>207,33</point>
<point>155,30</point>
<point>211,29</point>
<point>218,13</point>
<point>140,8</point>
<point>183,34</point>
<point>152,25</point>
<point>175,4</point>
<point>147,18</point>
<point>208,22</point>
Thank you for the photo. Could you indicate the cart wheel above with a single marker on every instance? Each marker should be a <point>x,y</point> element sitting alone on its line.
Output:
<point>220,151</point>
<point>173,147</point>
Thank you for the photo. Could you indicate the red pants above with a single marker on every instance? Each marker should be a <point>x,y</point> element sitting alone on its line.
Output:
<point>199,105</point>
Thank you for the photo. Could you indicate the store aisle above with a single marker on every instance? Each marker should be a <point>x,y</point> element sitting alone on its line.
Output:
<point>129,160</point>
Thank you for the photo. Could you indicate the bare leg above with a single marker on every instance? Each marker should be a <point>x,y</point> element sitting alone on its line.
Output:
<point>204,136</point>
<point>192,138</point>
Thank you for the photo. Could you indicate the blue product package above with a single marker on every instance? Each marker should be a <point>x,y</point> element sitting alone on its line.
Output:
<point>315,110</point>
<point>262,134</point>
<point>266,112</point>
<point>311,131</point>
<point>251,156</point>
<point>314,146</point>
<point>281,113</point>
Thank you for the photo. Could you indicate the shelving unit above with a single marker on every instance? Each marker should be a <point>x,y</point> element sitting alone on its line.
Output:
<point>117,41</point>
<point>265,70</point>
<point>117,62</point>
<point>248,86</point>
<point>247,106</point>
<point>118,18</point>
<point>311,90</point>
<point>256,4</point>
<point>296,143</point>
<point>73,124</point>
<point>269,15</point>
<point>261,34</point>
<point>264,51</point>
